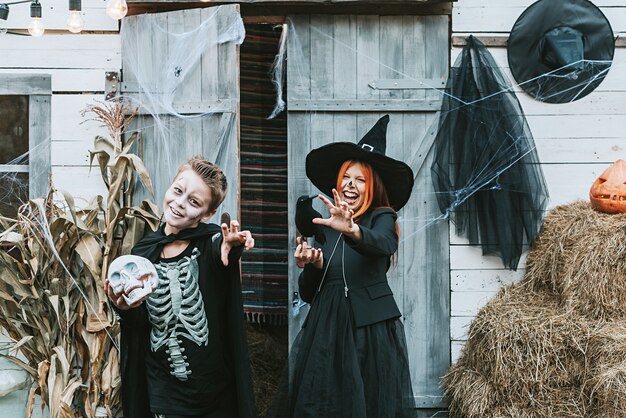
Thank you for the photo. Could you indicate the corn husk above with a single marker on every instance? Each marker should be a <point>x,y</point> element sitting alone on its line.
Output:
<point>53,261</point>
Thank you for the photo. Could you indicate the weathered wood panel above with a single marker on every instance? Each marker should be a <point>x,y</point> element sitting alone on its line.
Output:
<point>67,80</point>
<point>335,58</point>
<point>499,16</point>
<point>70,153</point>
<point>38,144</point>
<point>90,183</point>
<point>293,2</point>
<point>169,140</point>
<point>61,51</point>
<point>25,84</point>
<point>55,14</point>
<point>67,121</point>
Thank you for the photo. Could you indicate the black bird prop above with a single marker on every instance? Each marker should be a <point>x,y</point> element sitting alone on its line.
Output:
<point>304,219</point>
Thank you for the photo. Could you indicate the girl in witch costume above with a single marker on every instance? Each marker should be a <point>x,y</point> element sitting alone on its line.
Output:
<point>183,349</point>
<point>350,358</point>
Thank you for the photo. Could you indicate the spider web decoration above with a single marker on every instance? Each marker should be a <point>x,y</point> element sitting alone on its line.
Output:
<point>486,170</point>
<point>560,51</point>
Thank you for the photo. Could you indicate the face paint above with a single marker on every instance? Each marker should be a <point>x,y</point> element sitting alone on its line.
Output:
<point>186,202</point>
<point>353,186</point>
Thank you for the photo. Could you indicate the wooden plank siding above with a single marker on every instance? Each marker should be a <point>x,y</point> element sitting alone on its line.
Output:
<point>74,65</point>
<point>575,142</point>
<point>334,59</point>
<point>213,78</point>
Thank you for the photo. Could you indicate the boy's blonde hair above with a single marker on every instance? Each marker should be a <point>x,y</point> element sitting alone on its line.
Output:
<point>211,174</point>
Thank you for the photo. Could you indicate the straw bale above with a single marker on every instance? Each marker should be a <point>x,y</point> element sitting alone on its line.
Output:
<point>523,351</point>
<point>470,394</point>
<point>268,355</point>
<point>607,361</point>
<point>580,256</point>
<point>523,337</point>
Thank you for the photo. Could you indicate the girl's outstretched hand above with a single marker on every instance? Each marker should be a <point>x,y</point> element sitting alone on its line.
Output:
<point>307,255</point>
<point>340,217</point>
<point>232,237</point>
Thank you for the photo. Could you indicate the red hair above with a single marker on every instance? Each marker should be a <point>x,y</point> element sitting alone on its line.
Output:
<point>375,195</point>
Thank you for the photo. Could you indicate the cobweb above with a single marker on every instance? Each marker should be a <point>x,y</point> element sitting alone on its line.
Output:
<point>493,160</point>
<point>158,85</point>
<point>168,62</point>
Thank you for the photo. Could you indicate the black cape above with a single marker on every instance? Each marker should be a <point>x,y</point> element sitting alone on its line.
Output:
<point>136,329</point>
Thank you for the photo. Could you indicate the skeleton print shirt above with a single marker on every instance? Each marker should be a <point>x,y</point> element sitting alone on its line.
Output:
<point>185,362</point>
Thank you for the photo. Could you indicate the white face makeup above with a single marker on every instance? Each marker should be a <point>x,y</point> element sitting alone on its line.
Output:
<point>353,186</point>
<point>186,202</point>
<point>133,277</point>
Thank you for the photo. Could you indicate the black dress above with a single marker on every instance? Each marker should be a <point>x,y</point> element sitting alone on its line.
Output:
<point>337,369</point>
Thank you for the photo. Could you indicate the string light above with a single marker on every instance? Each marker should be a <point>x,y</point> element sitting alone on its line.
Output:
<point>117,9</point>
<point>4,15</point>
<point>35,28</point>
<point>75,22</point>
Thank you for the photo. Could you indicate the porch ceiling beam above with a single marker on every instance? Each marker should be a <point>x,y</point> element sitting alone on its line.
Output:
<point>251,8</point>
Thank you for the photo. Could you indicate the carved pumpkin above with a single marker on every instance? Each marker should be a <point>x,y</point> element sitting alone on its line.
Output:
<point>608,192</point>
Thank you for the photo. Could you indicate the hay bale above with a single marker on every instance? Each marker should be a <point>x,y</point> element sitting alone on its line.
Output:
<point>267,346</point>
<point>469,393</point>
<point>523,350</point>
<point>607,361</point>
<point>580,256</point>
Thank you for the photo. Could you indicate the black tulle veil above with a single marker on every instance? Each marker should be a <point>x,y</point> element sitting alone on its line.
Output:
<point>486,170</point>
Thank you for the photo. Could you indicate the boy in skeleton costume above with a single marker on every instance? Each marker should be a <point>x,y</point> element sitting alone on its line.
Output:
<point>184,350</point>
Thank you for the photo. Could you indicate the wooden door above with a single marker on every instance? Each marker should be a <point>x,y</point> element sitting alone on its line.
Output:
<point>182,68</point>
<point>344,72</point>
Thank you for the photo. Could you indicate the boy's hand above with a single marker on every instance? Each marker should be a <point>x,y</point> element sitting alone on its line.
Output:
<point>233,238</point>
<point>118,301</point>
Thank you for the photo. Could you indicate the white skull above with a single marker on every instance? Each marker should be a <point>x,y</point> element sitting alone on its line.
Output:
<point>133,277</point>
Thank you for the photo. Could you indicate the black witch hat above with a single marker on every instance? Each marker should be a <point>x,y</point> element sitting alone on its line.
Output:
<point>560,51</point>
<point>323,164</point>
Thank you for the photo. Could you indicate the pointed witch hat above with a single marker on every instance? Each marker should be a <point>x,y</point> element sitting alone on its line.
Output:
<point>560,51</point>
<point>323,164</point>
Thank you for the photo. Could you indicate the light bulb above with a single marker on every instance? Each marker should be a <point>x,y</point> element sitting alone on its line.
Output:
<point>75,22</point>
<point>36,28</point>
<point>4,15</point>
<point>117,9</point>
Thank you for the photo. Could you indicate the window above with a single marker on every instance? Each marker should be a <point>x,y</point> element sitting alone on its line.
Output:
<point>24,139</point>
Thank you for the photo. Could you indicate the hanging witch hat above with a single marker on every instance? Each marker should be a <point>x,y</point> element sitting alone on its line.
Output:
<point>323,164</point>
<point>560,51</point>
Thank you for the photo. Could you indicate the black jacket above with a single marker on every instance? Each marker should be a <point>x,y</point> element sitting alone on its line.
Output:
<point>366,265</point>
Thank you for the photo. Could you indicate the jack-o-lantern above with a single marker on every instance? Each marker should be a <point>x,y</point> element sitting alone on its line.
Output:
<point>608,192</point>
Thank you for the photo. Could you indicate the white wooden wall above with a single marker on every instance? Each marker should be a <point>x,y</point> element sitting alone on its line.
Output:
<point>77,65</point>
<point>575,142</point>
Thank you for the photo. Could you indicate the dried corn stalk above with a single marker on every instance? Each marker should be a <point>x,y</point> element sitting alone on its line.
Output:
<point>53,260</point>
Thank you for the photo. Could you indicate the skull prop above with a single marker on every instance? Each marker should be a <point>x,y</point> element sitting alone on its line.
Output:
<point>608,192</point>
<point>133,277</point>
